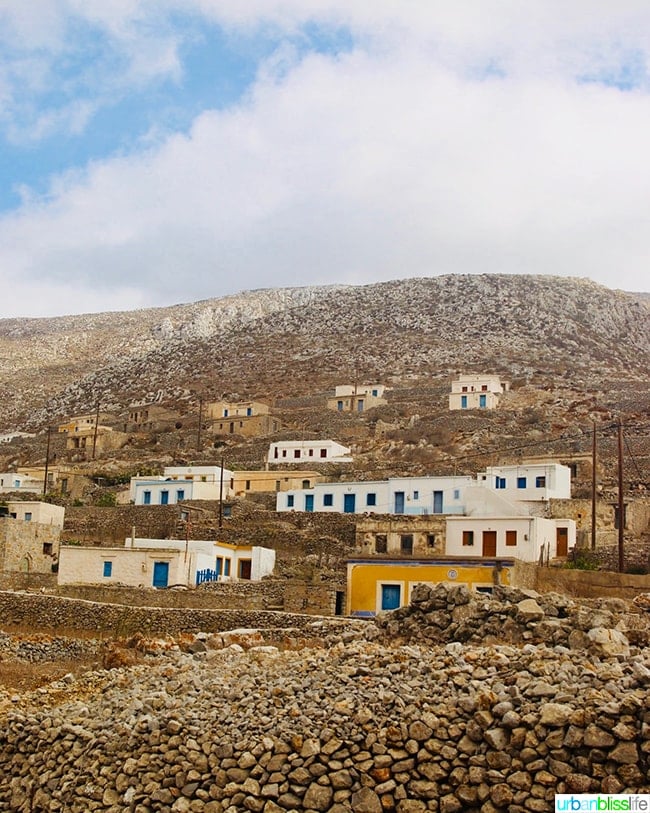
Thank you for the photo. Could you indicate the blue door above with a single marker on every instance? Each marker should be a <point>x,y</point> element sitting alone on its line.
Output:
<point>463,402</point>
<point>349,503</point>
<point>160,574</point>
<point>437,502</point>
<point>390,596</point>
<point>399,502</point>
<point>309,502</point>
<point>482,401</point>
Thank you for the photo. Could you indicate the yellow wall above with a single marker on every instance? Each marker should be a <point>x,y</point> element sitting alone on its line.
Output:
<point>365,578</point>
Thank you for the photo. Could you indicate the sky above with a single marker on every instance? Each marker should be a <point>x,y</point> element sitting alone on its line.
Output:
<point>155,152</point>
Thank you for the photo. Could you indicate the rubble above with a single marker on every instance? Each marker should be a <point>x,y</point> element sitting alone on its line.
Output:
<point>372,718</point>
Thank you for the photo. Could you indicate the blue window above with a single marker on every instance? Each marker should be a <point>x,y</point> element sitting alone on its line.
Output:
<point>225,413</point>
<point>28,516</point>
<point>328,499</point>
<point>500,482</point>
<point>108,570</point>
<point>463,402</point>
<point>371,499</point>
<point>180,495</point>
<point>290,501</point>
<point>226,567</point>
<point>374,392</point>
<point>416,495</point>
<point>219,567</point>
<point>164,497</point>
<point>339,406</point>
<point>146,498</point>
<point>521,482</point>
<point>249,411</point>
<point>540,482</point>
<point>457,494</point>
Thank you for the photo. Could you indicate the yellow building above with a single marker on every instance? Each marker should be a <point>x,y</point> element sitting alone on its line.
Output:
<point>268,482</point>
<point>374,585</point>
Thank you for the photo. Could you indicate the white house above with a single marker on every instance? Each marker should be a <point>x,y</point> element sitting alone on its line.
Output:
<point>476,391</point>
<point>397,495</point>
<point>163,563</point>
<point>311,451</point>
<point>34,511</point>
<point>503,490</point>
<point>9,436</point>
<point>232,409</point>
<point>529,481</point>
<point>179,483</point>
<point>25,483</point>
<point>525,538</point>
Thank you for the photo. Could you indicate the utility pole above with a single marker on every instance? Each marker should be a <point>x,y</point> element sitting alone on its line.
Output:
<point>96,428</point>
<point>47,461</point>
<point>221,495</point>
<point>198,434</point>
<point>593,488</point>
<point>621,503</point>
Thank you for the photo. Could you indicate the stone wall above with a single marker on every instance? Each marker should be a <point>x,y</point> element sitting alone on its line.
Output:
<point>289,595</point>
<point>579,583</point>
<point>111,526</point>
<point>637,515</point>
<point>40,612</point>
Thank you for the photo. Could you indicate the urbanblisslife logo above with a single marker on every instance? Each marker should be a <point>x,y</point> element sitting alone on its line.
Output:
<point>580,802</point>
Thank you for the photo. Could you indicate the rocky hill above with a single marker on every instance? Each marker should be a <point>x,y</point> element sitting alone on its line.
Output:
<point>575,351</point>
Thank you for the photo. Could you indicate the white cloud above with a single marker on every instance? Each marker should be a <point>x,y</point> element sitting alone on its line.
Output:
<point>402,158</point>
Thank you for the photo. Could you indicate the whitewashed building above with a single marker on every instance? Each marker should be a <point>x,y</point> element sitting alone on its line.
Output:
<point>526,486</point>
<point>397,495</point>
<point>308,451</point>
<point>527,538</point>
<point>529,481</point>
<point>163,563</point>
<point>21,483</point>
<point>35,511</point>
<point>178,483</point>
<point>476,391</point>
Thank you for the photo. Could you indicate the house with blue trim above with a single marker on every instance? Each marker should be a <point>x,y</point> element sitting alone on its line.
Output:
<point>178,483</point>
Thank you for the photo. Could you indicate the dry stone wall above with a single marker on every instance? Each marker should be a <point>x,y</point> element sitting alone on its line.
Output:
<point>39,611</point>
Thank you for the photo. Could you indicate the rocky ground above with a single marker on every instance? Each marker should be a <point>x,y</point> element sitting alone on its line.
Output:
<point>363,717</point>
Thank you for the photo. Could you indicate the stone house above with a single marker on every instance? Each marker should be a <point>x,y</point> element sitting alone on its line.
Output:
<point>476,391</point>
<point>29,537</point>
<point>151,417</point>
<point>85,434</point>
<point>267,482</point>
<point>356,398</point>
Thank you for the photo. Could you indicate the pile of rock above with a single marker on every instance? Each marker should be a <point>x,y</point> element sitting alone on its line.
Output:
<point>358,726</point>
<point>37,648</point>
<point>454,613</point>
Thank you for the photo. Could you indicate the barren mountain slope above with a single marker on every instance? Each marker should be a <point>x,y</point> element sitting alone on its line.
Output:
<point>281,343</point>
